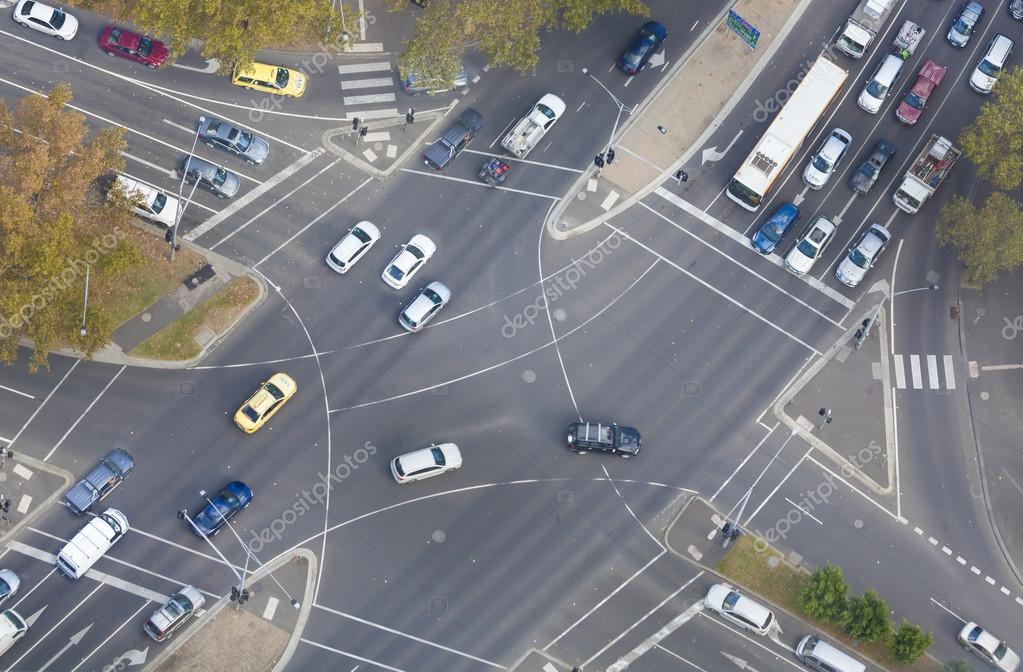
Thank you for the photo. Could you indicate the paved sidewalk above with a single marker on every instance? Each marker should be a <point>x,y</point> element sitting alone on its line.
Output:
<point>668,128</point>
<point>28,487</point>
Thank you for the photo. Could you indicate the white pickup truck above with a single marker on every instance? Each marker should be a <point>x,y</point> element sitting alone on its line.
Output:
<point>930,168</point>
<point>863,25</point>
<point>527,131</point>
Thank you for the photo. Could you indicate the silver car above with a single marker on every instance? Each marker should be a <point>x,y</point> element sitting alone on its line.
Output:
<point>863,255</point>
<point>989,648</point>
<point>822,165</point>
<point>219,181</point>
<point>425,306</point>
<point>9,584</point>
<point>181,606</point>
<point>218,133</point>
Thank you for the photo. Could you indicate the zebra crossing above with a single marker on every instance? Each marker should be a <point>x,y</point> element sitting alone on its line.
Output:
<point>357,84</point>
<point>923,370</point>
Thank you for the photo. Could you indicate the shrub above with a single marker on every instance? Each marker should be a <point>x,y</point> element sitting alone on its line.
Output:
<point>826,596</point>
<point>867,618</point>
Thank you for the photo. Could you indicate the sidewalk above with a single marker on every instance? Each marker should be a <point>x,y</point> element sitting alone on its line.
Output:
<point>671,125</point>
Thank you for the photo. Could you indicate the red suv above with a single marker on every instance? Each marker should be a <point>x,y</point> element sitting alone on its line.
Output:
<point>126,44</point>
<point>912,106</point>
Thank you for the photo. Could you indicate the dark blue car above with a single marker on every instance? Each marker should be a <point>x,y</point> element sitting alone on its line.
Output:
<point>233,498</point>
<point>774,229</point>
<point>646,43</point>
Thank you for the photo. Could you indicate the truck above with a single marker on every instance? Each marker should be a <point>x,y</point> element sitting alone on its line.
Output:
<point>99,482</point>
<point>91,543</point>
<point>527,132</point>
<point>863,25</point>
<point>445,148</point>
<point>929,169</point>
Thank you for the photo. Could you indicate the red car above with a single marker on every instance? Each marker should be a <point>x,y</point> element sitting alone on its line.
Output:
<point>912,106</point>
<point>126,44</point>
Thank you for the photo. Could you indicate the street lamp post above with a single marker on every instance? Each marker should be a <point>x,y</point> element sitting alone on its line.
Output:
<point>868,324</point>
<point>85,304</point>
<point>181,185</point>
<point>622,107</point>
<point>183,515</point>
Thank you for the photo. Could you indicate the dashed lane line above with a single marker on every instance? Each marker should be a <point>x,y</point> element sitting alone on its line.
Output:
<point>84,413</point>
<point>962,561</point>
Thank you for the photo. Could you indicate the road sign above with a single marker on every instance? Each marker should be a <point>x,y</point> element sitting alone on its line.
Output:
<point>743,29</point>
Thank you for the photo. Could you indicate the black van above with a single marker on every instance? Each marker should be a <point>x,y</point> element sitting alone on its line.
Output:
<point>586,436</point>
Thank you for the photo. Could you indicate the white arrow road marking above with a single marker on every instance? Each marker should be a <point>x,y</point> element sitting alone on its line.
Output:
<point>656,59</point>
<point>712,154</point>
<point>800,197</point>
<point>837,219</point>
<point>212,65</point>
<point>75,639</point>
<point>30,621</point>
<point>133,656</point>
<point>739,662</point>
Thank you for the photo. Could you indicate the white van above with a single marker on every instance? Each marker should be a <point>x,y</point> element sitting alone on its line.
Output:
<point>12,628</point>
<point>821,656</point>
<point>91,542</point>
<point>881,84</point>
<point>152,204</point>
<point>986,73</point>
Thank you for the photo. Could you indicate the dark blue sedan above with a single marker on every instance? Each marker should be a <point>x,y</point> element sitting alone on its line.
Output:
<point>646,43</point>
<point>774,229</point>
<point>233,498</point>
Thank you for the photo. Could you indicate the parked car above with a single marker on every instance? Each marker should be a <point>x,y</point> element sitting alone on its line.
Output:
<point>181,606</point>
<point>122,42</point>
<point>770,233</point>
<point>810,246</point>
<point>52,21</point>
<point>426,462</point>
<point>927,80</point>
<point>584,437</point>
<point>414,85</point>
<point>418,313</point>
<point>100,482</point>
<point>984,76</point>
<point>739,609</point>
<point>271,395</point>
<point>988,648</point>
<point>866,176</point>
<point>9,584</point>
<point>221,182</point>
<point>223,135</point>
<point>149,202</point>
<point>235,497</point>
<point>353,246</point>
<point>644,45</point>
<point>408,261</point>
<point>964,24</point>
<point>456,138</point>
<point>863,255</point>
<point>270,79</point>
<point>823,163</point>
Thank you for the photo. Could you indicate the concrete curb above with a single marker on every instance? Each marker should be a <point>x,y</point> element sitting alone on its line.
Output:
<point>39,465</point>
<point>307,604</point>
<point>632,199</point>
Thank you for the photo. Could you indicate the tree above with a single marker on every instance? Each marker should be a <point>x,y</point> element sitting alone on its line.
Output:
<point>54,226</point>
<point>867,618</point>
<point>507,33</point>
<point>826,596</point>
<point>994,141</point>
<point>988,241</point>
<point>910,642</point>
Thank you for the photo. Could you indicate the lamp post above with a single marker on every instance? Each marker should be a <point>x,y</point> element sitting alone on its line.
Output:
<point>183,515</point>
<point>85,303</point>
<point>868,324</point>
<point>181,185</point>
<point>622,107</point>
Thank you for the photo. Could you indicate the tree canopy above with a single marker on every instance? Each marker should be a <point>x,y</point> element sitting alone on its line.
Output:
<point>54,225</point>
<point>988,240</point>
<point>994,141</point>
<point>507,33</point>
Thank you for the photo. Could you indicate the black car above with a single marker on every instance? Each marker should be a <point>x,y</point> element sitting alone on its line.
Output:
<point>586,436</point>
<point>865,177</point>
<point>218,133</point>
<point>219,181</point>
<point>100,482</point>
<point>646,43</point>
<point>455,139</point>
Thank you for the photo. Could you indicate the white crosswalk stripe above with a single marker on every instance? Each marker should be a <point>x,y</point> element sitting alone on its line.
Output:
<point>366,83</point>
<point>914,367</point>
<point>357,68</point>
<point>932,372</point>
<point>938,377</point>
<point>354,78</point>
<point>369,98</point>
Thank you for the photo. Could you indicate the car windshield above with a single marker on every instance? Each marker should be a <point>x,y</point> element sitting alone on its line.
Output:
<point>438,456</point>
<point>821,164</point>
<point>546,111</point>
<point>914,101</point>
<point>114,37</point>
<point>395,272</point>
<point>219,177</point>
<point>772,231</point>
<point>1000,650</point>
<point>213,515</point>
<point>274,391</point>
<point>5,588</point>
<point>177,606</point>
<point>868,169</point>
<point>159,202</point>
<point>360,234</point>
<point>876,89</point>
<point>858,258</point>
<point>250,413</point>
<point>432,295</point>
<point>415,251</point>
<point>57,20</point>
<point>282,77</point>
<point>731,600</point>
<point>808,249</point>
<point>988,68</point>
<point>962,27</point>
<point>145,46</point>
<point>241,140</point>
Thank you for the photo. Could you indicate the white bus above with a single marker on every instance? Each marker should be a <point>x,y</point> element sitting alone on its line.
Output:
<point>786,133</point>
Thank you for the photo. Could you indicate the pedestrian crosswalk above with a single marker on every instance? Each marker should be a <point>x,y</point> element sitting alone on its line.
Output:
<point>918,372</point>
<point>360,79</point>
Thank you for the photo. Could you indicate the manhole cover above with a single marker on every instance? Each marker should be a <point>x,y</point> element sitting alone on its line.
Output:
<point>146,317</point>
<point>529,376</point>
<point>439,536</point>
<point>438,605</point>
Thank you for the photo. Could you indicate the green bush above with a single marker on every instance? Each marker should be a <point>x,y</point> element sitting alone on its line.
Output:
<point>909,642</point>
<point>867,618</point>
<point>826,596</point>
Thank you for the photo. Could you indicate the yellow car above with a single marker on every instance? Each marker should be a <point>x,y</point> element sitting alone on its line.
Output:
<point>270,79</point>
<point>264,402</point>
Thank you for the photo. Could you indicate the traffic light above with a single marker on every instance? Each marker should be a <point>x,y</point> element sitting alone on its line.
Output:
<point>598,160</point>
<point>610,155</point>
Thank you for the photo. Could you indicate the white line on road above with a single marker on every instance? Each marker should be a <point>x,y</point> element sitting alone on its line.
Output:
<point>940,604</point>
<point>777,487</point>
<point>271,608</point>
<point>741,465</point>
<point>24,503</point>
<point>369,98</point>
<point>914,368</point>
<point>900,372</point>
<point>805,512</point>
<point>84,413</point>
<point>479,184</point>
<point>694,26</point>
<point>359,68</point>
<point>950,373</point>
<point>687,662</point>
<point>364,115</point>
<point>366,83</point>
<point>18,392</point>
<point>629,508</point>
<point>59,623</point>
<point>191,130</point>
<point>852,487</point>
<point>510,159</point>
<point>350,655</point>
<point>160,169</point>
<point>36,412</point>
<point>656,638</point>
<point>932,372</point>
<point>111,635</point>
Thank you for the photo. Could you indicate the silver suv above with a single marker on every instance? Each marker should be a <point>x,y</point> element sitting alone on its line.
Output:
<point>181,606</point>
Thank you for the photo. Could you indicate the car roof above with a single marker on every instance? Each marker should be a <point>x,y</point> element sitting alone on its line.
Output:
<point>472,119</point>
<point>424,243</point>
<point>423,458</point>
<point>822,223</point>
<point>932,72</point>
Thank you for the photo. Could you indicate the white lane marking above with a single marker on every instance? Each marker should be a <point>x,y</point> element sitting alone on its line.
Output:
<point>479,184</point>
<point>59,623</point>
<point>252,195</point>
<point>40,407</point>
<point>805,512</point>
<point>112,634</point>
<point>277,201</point>
<point>511,159</point>
<point>852,487</point>
<point>368,98</point>
<point>778,487</point>
<point>316,219</point>
<point>686,661</point>
<point>191,130</point>
<point>629,508</point>
<point>950,373</point>
<point>694,26</point>
<point>900,372</point>
<point>741,465</point>
<point>772,635</point>
<point>609,202</point>
<point>26,501</point>
<point>895,449</point>
<point>366,83</point>
<point>914,366</point>
<point>918,531</point>
<point>1004,590</point>
<point>23,472</point>
<point>952,613</point>
<point>366,47</point>
<point>717,291</point>
<point>741,265</point>
<point>408,636</point>
<point>673,625</point>
<point>382,136</point>
<point>271,608</point>
<point>358,68</point>
<point>932,372</point>
<point>947,551</point>
<point>350,655</point>
<point>84,413</point>
<point>385,113</point>
<point>1001,367</point>
<point>975,570</point>
<point>989,580</point>
<point>723,228</point>
<point>18,392</point>
<point>12,546</point>
<point>961,560</point>
<point>604,601</point>
<point>160,169</point>
<point>933,541</point>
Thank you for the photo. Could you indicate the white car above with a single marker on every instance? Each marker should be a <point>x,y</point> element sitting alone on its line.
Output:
<point>152,203</point>
<point>986,646</point>
<point>353,246</point>
<point>53,21</point>
<point>408,261</point>
<point>744,612</point>
<point>824,162</point>
<point>863,255</point>
<point>426,462</point>
<point>425,306</point>
<point>810,246</point>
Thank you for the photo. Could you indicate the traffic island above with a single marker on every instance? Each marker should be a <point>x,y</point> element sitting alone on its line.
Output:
<point>28,487</point>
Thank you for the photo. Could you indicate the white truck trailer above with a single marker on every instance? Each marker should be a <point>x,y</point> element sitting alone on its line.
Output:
<point>930,168</point>
<point>527,131</point>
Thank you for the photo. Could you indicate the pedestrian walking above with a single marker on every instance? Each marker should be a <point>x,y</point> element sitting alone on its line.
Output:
<point>362,134</point>
<point>410,118</point>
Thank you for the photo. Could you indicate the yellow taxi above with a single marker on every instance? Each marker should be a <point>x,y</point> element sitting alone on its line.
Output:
<point>264,402</point>
<point>270,79</point>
